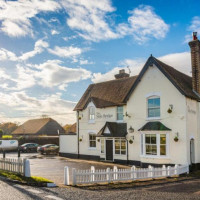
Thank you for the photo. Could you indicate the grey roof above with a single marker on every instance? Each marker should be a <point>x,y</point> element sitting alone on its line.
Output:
<point>116,130</point>
<point>154,126</point>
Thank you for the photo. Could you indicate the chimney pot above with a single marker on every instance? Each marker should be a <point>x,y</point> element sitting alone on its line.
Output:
<point>122,74</point>
<point>121,71</point>
<point>195,36</point>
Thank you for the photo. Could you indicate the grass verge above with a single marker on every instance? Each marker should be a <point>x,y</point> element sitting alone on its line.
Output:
<point>22,179</point>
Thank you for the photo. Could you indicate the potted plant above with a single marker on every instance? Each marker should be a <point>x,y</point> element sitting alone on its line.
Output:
<point>98,140</point>
<point>80,139</point>
<point>131,141</point>
<point>176,139</point>
<point>169,110</point>
<point>79,118</point>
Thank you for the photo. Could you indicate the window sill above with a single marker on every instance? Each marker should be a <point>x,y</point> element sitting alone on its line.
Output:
<point>91,121</point>
<point>153,118</point>
<point>92,148</point>
<point>120,154</point>
<point>156,157</point>
<point>120,121</point>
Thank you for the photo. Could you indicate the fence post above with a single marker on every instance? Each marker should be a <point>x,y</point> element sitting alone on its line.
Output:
<point>176,170</point>
<point>168,171</point>
<point>133,174</point>
<point>27,171</point>
<point>66,175</point>
<point>164,171</point>
<point>108,174</point>
<point>115,170</point>
<point>73,176</point>
<point>150,173</point>
<point>92,173</point>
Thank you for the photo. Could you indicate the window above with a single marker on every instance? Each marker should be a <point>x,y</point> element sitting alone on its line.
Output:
<point>154,145</point>
<point>154,107</point>
<point>91,113</point>
<point>92,140</point>
<point>150,143</point>
<point>120,146</point>
<point>102,146</point>
<point>120,115</point>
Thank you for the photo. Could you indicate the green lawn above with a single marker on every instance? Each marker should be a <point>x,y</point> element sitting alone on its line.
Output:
<point>18,177</point>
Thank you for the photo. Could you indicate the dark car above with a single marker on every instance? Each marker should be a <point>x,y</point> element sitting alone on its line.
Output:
<point>29,147</point>
<point>48,149</point>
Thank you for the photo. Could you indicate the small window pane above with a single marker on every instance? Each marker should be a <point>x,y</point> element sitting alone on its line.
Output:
<point>163,150</point>
<point>154,107</point>
<point>153,139</point>
<point>162,139</point>
<point>120,113</point>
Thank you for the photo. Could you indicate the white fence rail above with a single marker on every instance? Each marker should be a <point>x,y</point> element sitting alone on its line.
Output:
<point>21,166</point>
<point>115,174</point>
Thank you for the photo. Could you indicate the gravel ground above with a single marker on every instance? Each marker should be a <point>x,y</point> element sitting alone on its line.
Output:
<point>180,190</point>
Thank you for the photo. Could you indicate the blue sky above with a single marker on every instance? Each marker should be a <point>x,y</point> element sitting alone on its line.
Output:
<point>50,51</point>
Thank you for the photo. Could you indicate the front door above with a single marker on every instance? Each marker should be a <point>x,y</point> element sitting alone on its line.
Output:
<point>109,150</point>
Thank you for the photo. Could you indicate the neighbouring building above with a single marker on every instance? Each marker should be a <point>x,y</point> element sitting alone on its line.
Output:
<point>152,118</point>
<point>39,127</point>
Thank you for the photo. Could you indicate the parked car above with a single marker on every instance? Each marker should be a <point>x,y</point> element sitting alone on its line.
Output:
<point>48,149</point>
<point>29,147</point>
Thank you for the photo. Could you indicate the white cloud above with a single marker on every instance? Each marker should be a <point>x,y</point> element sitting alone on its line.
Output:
<point>39,47</point>
<point>194,27</point>
<point>16,15</point>
<point>25,107</point>
<point>144,24</point>
<point>89,18</point>
<point>66,51</point>
<point>54,32</point>
<point>86,62</point>
<point>180,61</point>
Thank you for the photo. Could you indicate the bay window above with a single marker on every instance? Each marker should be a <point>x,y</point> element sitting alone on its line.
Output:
<point>154,145</point>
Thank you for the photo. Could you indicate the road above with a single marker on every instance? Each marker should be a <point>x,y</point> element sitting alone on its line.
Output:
<point>183,190</point>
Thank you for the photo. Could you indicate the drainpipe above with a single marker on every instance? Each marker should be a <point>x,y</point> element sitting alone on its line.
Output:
<point>78,131</point>
<point>127,161</point>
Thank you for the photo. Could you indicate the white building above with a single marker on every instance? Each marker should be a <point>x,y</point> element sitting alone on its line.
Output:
<point>152,118</point>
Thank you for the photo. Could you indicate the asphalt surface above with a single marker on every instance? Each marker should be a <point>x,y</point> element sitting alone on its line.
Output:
<point>52,167</point>
<point>189,189</point>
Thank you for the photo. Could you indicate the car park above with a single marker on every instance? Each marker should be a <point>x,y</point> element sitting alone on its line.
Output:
<point>48,149</point>
<point>29,147</point>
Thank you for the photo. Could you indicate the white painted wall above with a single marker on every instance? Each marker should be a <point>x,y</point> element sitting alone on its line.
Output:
<point>68,144</point>
<point>155,83</point>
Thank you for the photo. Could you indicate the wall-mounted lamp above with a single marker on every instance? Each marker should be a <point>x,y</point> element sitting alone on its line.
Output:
<point>127,115</point>
<point>131,129</point>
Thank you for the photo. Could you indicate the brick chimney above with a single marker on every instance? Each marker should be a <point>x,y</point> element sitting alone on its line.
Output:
<point>122,74</point>
<point>195,60</point>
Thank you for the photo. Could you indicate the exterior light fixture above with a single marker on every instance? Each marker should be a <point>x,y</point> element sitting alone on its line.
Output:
<point>127,115</point>
<point>131,129</point>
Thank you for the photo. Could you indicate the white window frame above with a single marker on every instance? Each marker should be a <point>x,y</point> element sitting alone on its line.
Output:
<point>91,119</point>
<point>102,142</point>
<point>143,145</point>
<point>89,147</point>
<point>120,139</point>
<point>147,110</point>
<point>120,120</point>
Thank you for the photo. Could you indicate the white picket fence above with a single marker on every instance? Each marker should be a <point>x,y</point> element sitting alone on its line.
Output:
<point>115,174</point>
<point>21,166</point>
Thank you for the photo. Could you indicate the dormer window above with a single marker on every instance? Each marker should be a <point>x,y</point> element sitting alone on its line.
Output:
<point>153,104</point>
<point>91,113</point>
<point>120,115</point>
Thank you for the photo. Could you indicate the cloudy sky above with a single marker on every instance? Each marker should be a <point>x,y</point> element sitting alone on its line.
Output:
<point>50,51</point>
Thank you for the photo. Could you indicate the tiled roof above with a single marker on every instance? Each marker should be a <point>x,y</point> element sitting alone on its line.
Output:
<point>154,126</point>
<point>44,126</point>
<point>106,94</point>
<point>117,92</point>
<point>116,130</point>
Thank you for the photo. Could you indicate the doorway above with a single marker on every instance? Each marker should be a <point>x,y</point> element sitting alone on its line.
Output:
<point>109,150</point>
